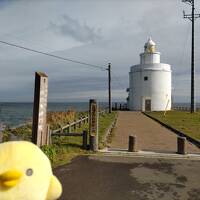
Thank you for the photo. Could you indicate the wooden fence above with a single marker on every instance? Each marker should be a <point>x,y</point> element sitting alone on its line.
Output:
<point>78,123</point>
<point>183,108</point>
<point>41,133</point>
<point>71,128</point>
<point>84,135</point>
<point>73,125</point>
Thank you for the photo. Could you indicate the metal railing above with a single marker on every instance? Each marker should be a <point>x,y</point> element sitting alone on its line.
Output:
<point>183,108</point>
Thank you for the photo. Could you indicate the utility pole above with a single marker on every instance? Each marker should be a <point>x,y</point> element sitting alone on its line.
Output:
<point>192,17</point>
<point>109,87</point>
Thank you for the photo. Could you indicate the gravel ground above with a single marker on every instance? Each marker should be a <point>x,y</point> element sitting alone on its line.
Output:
<point>151,136</point>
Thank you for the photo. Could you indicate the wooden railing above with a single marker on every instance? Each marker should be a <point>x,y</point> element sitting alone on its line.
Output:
<point>74,124</point>
<point>84,134</point>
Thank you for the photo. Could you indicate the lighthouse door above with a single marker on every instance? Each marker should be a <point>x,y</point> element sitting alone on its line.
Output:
<point>147,104</point>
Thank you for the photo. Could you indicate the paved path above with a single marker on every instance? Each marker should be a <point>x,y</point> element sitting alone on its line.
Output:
<point>151,136</point>
<point>128,178</point>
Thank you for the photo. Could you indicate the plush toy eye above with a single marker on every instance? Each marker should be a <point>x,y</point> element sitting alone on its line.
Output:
<point>29,172</point>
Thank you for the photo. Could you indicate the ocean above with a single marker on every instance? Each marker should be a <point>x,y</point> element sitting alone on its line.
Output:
<point>16,114</point>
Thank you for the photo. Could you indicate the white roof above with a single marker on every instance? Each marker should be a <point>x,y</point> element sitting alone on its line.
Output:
<point>150,42</point>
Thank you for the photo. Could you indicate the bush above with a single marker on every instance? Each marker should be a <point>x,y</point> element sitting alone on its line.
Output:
<point>59,119</point>
<point>50,151</point>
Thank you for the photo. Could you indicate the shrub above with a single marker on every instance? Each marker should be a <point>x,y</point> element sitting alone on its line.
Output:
<point>50,151</point>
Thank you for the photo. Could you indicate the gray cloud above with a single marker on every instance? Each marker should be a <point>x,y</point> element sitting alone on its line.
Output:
<point>4,3</point>
<point>120,41</point>
<point>73,28</point>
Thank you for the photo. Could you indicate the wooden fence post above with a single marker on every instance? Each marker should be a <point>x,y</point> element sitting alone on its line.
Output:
<point>181,145</point>
<point>85,136</point>
<point>50,139</point>
<point>74,126</point>
<point>132,146</point>
<point>39,128</point>
<point>93,123</point>
<point>93,145</point>
<point>61,129</point>
<point>48,135</point>
<point>69,128</point>
<point>79,124</point>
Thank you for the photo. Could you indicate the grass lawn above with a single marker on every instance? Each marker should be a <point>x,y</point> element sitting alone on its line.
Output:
<point>66,148</point>
<point>182,121</point>
<point>105,120</point>
<point>63,149</point>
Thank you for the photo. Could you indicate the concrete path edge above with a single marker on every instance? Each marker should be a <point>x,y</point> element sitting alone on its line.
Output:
<point>179,133</point>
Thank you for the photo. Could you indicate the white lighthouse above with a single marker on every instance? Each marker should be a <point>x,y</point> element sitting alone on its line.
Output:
<point>150,82</point>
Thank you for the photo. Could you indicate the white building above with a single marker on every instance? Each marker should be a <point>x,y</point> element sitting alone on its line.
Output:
<point>150,82</point>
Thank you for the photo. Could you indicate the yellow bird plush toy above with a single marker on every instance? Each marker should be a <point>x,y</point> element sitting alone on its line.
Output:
<point>26,174</point>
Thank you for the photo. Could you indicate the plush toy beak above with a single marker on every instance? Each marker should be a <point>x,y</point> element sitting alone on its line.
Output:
<point>10,178</point>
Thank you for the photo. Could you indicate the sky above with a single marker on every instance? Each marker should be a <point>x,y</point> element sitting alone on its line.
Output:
<point>95,32</point>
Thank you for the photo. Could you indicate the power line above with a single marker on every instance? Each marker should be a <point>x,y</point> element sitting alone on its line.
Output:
<point>59,57</point>
<point>62,58</point>
<point>183,48</point>
<point>52,55</point>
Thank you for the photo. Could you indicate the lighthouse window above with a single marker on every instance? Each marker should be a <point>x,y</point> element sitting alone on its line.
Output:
<point>146,78</point>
